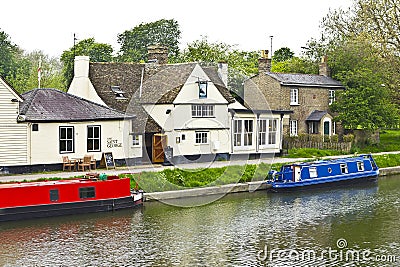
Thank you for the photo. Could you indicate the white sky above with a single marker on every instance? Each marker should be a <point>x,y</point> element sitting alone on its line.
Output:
<point>49,25</point>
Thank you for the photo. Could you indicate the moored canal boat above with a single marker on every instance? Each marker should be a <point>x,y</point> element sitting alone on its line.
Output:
<point>28,200</point>
<point>324,172</point>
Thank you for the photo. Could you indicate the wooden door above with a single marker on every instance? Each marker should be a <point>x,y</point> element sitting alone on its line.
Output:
<point>159,142</point>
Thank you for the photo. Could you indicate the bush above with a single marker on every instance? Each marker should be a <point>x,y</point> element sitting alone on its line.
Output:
<point>348,138</point>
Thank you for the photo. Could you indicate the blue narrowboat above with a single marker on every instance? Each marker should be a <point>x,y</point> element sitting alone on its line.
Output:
<point>324,172</point>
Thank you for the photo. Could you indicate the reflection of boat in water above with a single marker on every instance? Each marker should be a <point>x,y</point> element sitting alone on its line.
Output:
<point>64,197</point>
<point>324,172</point>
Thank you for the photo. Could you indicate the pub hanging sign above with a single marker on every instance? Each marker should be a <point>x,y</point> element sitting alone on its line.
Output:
<point>202,88</point>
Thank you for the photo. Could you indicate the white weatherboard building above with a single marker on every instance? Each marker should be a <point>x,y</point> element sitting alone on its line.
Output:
<point>39,127</point>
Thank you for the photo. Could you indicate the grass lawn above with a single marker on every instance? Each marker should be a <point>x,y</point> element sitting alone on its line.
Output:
<point>389,141</point>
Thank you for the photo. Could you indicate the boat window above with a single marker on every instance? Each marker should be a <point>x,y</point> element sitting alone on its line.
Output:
<point>87,192</point>
<point>360,166</point>
<point>54,195</point>
<point>343,168</point>
<point>330,170</point>
<point>313,172</point>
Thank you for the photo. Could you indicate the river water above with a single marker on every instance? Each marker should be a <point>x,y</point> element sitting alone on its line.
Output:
<point>357,226</point>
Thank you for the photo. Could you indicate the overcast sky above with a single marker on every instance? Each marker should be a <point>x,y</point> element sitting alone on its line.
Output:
<point>49,25</point>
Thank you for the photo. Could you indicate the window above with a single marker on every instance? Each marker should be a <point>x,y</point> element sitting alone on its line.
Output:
<point>243,132</point>
<point>343,168</point>
<point>272,127</point>
<point>202,110</point>
<point>293,128</point>
<point>93,138</point>
<point>35,127</point>
<point>201,137</point>
<point>66,141</point>
<point>331,96</point>
<point>87,192</point>
<point>360,166</point>
<point>248,132</point>
<point>237,132</point>
<point>54,197</point>
<point>313,127</point>
<point>262,132</point>
<point>136,140</point>
<point>294,96</point>
<point>119,94</point>
<point>313,172</point>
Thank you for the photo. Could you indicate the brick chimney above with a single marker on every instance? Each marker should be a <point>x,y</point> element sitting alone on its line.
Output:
<point>264,63</point>
<point>157,54</point>
<point>323,67</point>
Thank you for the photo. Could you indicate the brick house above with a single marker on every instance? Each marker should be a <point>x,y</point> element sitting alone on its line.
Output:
<point>308,96</point>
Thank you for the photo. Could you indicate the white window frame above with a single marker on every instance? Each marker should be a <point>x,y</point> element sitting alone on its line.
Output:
<point>243,132</point>
<point>313,172</point>
<point>332,97</point>
<point>262,132</point>
<point>344,168</point>
<point>136,140</point>
<point>360,166</point>
<point>201,138</point>
<point>237,133</point>
<point>294,96</point>
<point>272,131</point>
<point>203,111</point>
<point>293,128</point>
<point>66,140</point>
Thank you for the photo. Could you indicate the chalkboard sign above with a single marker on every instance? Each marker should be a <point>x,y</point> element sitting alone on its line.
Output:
<point>107,160</point>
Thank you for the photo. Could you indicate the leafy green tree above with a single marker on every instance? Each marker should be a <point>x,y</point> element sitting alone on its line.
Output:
<point>365,103</point>
<point>134,42</point>
<point>8,50</point>
<point>295,65</point>
<point>98,52</point>
<point>282,54</point>
<point>242,64</point>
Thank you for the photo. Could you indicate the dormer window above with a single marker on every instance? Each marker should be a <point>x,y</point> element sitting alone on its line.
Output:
<point>119,94</point>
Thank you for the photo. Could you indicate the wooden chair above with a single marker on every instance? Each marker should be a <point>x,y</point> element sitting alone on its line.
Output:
<point>92,162</point>
<point>67,163</point>
<point>85,163</point>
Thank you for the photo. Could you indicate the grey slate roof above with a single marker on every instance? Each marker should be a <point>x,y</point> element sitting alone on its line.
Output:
<point>49,105</point>
<point>316,115</point>
<point>297,79</point>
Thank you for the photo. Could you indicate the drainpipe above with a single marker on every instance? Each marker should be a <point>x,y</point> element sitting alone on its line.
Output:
<point>281,132</point>
<point>257,132</point>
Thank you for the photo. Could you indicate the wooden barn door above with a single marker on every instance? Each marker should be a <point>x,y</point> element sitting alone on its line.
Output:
<point>159,142</point>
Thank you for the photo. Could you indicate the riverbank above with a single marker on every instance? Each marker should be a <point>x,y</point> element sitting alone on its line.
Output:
<point>231,188</point>
<point>229,184</point>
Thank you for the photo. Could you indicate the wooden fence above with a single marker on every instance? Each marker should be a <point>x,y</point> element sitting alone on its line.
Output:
<point>340,146</point>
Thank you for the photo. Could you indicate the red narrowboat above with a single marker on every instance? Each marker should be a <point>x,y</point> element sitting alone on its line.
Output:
<point>53,198</point>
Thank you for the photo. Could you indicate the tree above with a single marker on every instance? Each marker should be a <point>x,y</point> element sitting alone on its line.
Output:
<point>377,20</point>
<point>242,64</point>
<point>134,42</point>
<point>365,103</point>
<point>295,65</point>
<point>282,54</point>
<point>98,52</point>
<point>8,50</point>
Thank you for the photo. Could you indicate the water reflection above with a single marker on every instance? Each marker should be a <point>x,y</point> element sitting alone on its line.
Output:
<point>229,232</point>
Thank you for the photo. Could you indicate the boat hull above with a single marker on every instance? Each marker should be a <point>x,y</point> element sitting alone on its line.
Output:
<point>50,210</point>
<point>324,183</point>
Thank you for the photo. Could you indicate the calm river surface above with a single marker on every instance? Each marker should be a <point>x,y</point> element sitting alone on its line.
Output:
<point>340,227</point>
